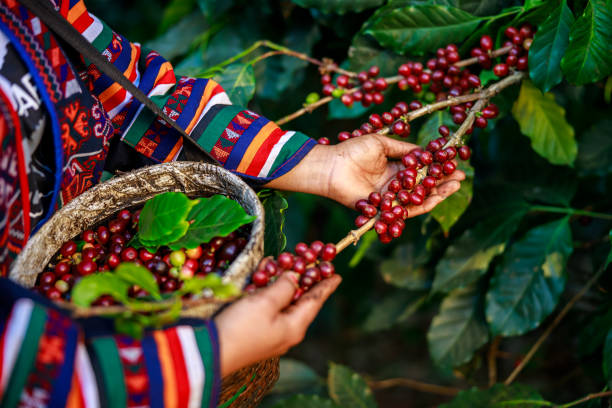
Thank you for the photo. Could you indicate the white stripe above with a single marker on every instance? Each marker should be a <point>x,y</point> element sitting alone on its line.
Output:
<point>218,99</point>
<point>87,379</point>
<point>128,97</point>
<point>274,153</point>
<point>93,30</point>
<point>15,331</point>
<point>193,364</point>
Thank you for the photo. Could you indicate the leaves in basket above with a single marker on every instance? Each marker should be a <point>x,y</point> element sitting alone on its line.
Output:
<point>163,219</point>
<point>211,217</point>
<point>138,275</point>
<point>91,287</point>
<point>221,290</point>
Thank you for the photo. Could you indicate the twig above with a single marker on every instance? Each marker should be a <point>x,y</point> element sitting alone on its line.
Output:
<point>415,385</point>
<point>587,398</point>
<point>492,358</point>
<point>552,326</point>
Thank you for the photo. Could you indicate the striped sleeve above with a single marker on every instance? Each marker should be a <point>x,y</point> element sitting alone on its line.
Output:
<point>242,141</point>
<point>177,367</point>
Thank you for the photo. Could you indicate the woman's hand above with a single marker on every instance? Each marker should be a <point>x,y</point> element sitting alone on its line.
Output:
<point>265,324</point>
<point>351,170</point>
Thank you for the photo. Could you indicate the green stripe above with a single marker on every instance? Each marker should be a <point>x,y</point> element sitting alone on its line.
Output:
<point>112,371</point>
<point>26,358</point>
<point>103,39</point>
<point>145,119</point>
<point>215,129</point>
<point>208,354</point>
<point>288,150</point>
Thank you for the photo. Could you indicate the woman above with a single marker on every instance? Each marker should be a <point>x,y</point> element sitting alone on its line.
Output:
<point>64,127</point>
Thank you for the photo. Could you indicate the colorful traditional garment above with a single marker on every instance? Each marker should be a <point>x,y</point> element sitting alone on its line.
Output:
<point>62,125</point>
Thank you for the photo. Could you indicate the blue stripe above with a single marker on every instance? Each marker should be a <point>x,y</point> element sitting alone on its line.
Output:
<point>193,102</point>
<point>57,136</point>
<point>168,141</point>
<point>214,340</point>
<point>148,77</point>
<point>295,159</point>
<point>243,143</point>
<point>156,382</point>
<point>63,382</point>
<point>125,57</point>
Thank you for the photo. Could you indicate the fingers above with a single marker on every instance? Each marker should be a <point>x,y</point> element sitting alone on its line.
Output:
<point>394,148</point>
<point>307,307</point>
<point>280,294</point>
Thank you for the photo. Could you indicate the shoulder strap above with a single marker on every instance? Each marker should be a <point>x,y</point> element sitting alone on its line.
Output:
<point>45,11</point>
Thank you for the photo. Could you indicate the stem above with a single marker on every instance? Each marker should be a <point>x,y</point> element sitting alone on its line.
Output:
<point>587,398</point>
<point>390,80</point>
<point>552,326</point>
<point>492,358</point>
<point>530,402</point>
<point>415,385</point>
<point>570,211</point>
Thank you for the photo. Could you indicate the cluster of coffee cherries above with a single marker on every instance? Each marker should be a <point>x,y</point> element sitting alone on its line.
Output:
<point>105,247</point>
<point>423,168</point>
<point>312,263</point>
<point>369,86</point>
<point>519,41</point>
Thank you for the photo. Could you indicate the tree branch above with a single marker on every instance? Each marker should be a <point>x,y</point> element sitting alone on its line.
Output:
<point>415,385</point>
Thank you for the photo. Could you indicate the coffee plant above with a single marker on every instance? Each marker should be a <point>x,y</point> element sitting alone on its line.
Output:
<point>505,283</point>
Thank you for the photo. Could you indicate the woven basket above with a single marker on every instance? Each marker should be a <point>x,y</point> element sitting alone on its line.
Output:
<point>134,188</point>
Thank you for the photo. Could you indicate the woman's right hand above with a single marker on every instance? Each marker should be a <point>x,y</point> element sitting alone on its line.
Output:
<point>266,324</point>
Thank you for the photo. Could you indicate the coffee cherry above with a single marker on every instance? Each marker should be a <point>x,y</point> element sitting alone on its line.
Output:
<point>375,198</point>
<point>130,254</point>
<point>414,105</point>
<point>416,199</point>
<point>359,205</point>
<point>501,70</point>
<point>521,63</point>
<point>301,248</point>
<point>435,170</point>
<point>385,238</point>
<point>361,220</point>
<point>449,167</point>
<point>380,227</point>
<point>395,230</point>
<point>490,112</point>
<point>347,100</point>
<point>480,122</point>
<point>47,278</point>
<point>228,252</point>
<point>408,182</point>
<point>326,270</point>
<point>342,81</point>
<point>459,117</point>
<point>441,156</point>
<point>403,196</point>
<point>464,152</point>
<point>53,293</point>
<point>427,157</point>
<point>433,146</point>
<point>409,161</point>
<point>313,273</point>
<point>404,70</point>
<point>375,120</point>
<point>260,279</point>
<point>88,236</point>
<point>486,42</point>
<point>373,71</point>
<point>329,252</point>
<point>62,268</point>
<point>68,249</point>
<point>328,89</point>
<point>342,136</point>
<point>378,98</point>
<point>86,267</point>
<point>116,226</point>
<point>399,128</point>
<point>285,261</point>
<point>428,182</point>
<point>380,84</point>
<point>387,118</point>
<point>299,265</point>
<point>511,32</point>
<point>387,217</point>
<point>369,210</point>
<point>386,204</point>
<point>177,258</point>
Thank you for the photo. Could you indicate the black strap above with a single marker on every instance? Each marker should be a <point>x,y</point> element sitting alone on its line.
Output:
<point>45,11</point>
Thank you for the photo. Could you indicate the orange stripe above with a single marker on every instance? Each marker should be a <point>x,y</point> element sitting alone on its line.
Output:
<point>109,93</point>
<point>165,75</point>
<point>180,370</point>
<point>75,397</point>
<point>208,93</point>
<point>255,145</point>
<point>174,151</point>
<point>130,72</point>
<point>76,11</point>
<point>264,151</point>
<point>167,368</point>
<point>115,100</point>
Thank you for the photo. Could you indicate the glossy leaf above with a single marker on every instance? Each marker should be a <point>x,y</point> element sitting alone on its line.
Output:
<point>595,149</point>
<point>391,310</point>
<point>548,47</point>
<point>527,284</point>
<point>306,401</point>
<point>178,39</point>
<point>543,121</point>
<point>607,358</point>
<point>213,9</point>
<point>448,212</point>
<point>212,217</point>
<point>406,267</point>
<point>421,28</point>
<point>593,333</point>
<point>135,274</point>
<point>498,396</point>
<point>163,218</point>
<point>468,258</point>
<point>274,204</point>
<point>339,6</point>
<point>348,389</point>
<point>295,376</point>
<point>459,328</point>
<point>238,81</point>
<point>365,52</point>
<point>91,287</point>
<point>174,12</point>
<point>589,55</point>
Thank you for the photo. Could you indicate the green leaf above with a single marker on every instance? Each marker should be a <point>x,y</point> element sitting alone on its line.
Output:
<point>421,28</point>
<point>595,149</point>
<point>406,268</point>
<point>448,212</point>
<point>339,6</point>
<point>607,358</point>
<point>365,52</point>
<point>306,401</point>
<point>295,377</point>
<point>391,310</point>
<point>526,286</point>
<point>179,38</point>
<point>212,281</point>
<point>348,389</point>
<point>610,253</point>
<point>174,12</point>
<point>274,204</point>
<point>468,258</point>
<point>238,81</point>
<point>213,9</point>
<point>589,55</point>
<point>163,218</point>
<point>498,396</point>
<point>459,328</point>
<point>91,287</point>
<point>212,217</point>
<point>593,332</point>
<point>543,121</point>
<point>129,327</point>
<point>548,47</point>
<point>135,274</point>
<point>365,243</point>
<point>429,130</point>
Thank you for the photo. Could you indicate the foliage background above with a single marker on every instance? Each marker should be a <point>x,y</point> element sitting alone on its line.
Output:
<point>377,323</point>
